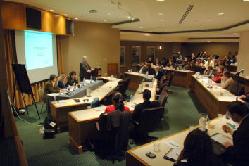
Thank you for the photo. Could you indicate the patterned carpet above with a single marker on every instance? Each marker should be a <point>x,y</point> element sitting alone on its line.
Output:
<point>183,111</point>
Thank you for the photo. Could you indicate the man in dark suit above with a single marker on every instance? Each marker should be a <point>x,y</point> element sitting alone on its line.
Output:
<point>146,104</point>
<point>238,153</point>
<point>86,71</point>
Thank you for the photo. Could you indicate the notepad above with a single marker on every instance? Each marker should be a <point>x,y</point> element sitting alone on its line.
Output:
<point>221,138</point>
<point>172,144</point>
<point>100,108</point>
<point>173,153</point>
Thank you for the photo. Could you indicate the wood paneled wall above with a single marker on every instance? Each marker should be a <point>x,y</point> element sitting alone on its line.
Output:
<point>218,48</point>
<point>166,50</point>
<point>14,17</point>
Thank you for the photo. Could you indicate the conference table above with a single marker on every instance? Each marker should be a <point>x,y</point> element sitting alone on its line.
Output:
<point>211,95</point>
<point>76,92</point>
<point>82,123</point>
<point>61,108</point>
<point>181,78</point>
<point>174,145</point>
<point>136,78</point>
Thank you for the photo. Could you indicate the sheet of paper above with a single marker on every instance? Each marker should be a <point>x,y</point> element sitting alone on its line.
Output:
<point>221,138</point>
<point>172,144</point>
<point>174,153</point>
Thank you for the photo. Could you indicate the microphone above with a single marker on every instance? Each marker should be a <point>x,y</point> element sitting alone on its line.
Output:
<point>241,71</point>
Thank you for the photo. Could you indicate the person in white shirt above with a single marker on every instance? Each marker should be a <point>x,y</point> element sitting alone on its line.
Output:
<point>208,63</point>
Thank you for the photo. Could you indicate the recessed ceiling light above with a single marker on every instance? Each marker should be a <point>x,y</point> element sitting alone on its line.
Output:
<point>147,34</point>
<point>105,20</point>
<point>221,13</point>
<point>51,10</point>
<point>246,0</point>
<point>76,18</point>
<point>92,11</point>
<point>108,14</point>
<point>129,17</point>
<point>160,0</point>
<point>160,14</point>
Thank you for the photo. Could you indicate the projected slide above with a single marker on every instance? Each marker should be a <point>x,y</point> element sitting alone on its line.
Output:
<point>38,50</point>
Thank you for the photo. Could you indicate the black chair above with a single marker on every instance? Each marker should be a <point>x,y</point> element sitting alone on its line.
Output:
<point>163,97</point>
<point>123,86</point>
<point>171,77</point>
<point>149,120</point>
<point>112,139</point>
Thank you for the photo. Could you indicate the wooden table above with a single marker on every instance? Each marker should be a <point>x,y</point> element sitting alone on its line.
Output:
<point>214,99</point>
<point>137,157</point>
<point>60,109</point>
<point>181,78</point>
<point>135,79</point>
<point>82,122</point>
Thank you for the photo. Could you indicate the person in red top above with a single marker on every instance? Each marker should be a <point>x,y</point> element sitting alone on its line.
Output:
<point>118,104</point>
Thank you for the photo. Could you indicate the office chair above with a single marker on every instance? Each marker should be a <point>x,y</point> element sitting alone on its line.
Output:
<point>113,135</point>
<point>149,120</point>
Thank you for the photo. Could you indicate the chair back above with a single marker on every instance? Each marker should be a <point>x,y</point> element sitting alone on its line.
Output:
<point>150,118</point>
<point>114,133</point>
<point>171,76</point>
<point>163,96</point>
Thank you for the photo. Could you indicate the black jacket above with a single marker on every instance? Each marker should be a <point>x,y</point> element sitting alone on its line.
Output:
<point>61,85</point>
<point>71,82</point>
<point>238,154</point>
<point>140,107</point>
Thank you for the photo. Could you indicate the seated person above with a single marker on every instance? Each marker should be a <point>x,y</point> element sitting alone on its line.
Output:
<point>218,75</point>
<point>72,79</point>
<point>159,72</point>
<point>62,81</point>
<point>149,60</point>
<point>150,70</point>
<point>198,151</point>
<point>143,69</point>
<point>118,104</point>
<point>50,86</point>
<point>209,72</point>
<point>146,104</point>
<point>209,62</point>
<point>227,81</point>
<point>237,154</point>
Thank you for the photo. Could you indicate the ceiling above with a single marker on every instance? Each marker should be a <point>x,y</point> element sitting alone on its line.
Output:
<point>157,16</point>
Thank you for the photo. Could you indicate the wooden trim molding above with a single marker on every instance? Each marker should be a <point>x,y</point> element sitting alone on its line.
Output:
<point>195,30</point>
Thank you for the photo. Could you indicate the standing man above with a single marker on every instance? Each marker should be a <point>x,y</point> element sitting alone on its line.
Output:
<point>86,71</point>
